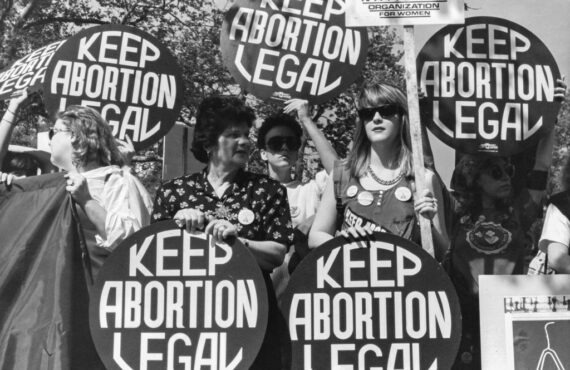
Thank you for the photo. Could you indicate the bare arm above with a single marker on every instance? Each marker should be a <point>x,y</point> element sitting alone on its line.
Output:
<point>324,225</point>
<point>8,123</point>
<point>326,151</point>
<point>543,157</point>
<point>269,254</point>
<point>558,257</point>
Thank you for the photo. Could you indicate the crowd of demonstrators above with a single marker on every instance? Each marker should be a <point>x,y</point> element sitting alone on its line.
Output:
<point>229,202</point>
<point>373,189</point>
<point>279,140</point>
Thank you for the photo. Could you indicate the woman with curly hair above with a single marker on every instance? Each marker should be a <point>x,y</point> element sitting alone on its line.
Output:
<point>228,202</point>
<point>113,203</point>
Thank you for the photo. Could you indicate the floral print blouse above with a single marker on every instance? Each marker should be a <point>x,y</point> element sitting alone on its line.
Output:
<point>255,204</point>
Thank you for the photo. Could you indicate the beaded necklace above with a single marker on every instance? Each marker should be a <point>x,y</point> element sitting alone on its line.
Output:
<point>381,181</point>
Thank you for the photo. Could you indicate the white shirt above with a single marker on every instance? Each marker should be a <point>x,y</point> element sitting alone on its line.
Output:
<point>125,200</point>
<point>304,199</point>
<point>556,228</point>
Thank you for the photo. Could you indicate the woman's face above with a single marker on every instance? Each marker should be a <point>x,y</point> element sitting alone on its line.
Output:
<point>382,123</point>
<point>495,180</point>
<point>61,149</point>
<point>281,147</point>
<point>233,146</point>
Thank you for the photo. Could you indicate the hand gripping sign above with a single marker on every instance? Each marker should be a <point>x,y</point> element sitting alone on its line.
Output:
<point>489,86</point>
<point>168,299</point>
<point>124,73</point>
<point>385,304</point>
<point>292,49</point>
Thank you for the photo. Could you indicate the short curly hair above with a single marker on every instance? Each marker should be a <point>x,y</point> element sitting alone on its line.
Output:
<point>278,120</point>
<point>92,138</point>
<point>215,114</point>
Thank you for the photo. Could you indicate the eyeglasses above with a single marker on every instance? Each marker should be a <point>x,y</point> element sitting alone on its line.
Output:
<point>367,114</point>
<point>54,131</point>
<point>497,171</point>
<point>276,143</point>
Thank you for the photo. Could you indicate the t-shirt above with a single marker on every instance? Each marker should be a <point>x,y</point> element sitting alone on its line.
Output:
<point>304,199</point>
<point>556,228</point>
<point>492,242</point>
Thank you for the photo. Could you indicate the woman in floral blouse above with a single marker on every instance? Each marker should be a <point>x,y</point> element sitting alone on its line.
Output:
<point>228,202</point>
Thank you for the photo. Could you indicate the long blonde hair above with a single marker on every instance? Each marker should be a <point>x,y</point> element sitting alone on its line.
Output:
<point>373,95</point>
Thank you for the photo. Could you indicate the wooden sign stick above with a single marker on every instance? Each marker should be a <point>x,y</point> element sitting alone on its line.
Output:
<point>415,130</point>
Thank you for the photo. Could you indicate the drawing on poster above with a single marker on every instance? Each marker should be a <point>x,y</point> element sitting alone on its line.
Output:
<point>537,330</point>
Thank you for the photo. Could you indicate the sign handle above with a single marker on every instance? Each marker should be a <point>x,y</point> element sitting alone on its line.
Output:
<point>415,130</point>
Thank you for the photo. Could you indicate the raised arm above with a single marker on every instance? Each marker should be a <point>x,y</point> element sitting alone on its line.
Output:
<point>326,151</point>
<point>8,123</point>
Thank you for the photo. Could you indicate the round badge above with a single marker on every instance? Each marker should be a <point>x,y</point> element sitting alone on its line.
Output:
<point>352,190</point>
<point>365,198</point>
<point>295,211</point>
<point>403,194</point>
<point>246,216</point>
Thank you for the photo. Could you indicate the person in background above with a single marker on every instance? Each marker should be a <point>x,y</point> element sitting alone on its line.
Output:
<point>20,165</point>
<point>374,188</point>
<point>279,139</point>
<point>555,238</point>
<point>489,234</point>
<point>228,202</point>
<point>113,204</point>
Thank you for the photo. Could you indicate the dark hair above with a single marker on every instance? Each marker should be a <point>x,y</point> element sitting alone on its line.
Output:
<point>215,115</point>
<point>278,120</point>
<point>21,164</point>
<point>92,138</point>
<point>464,181</point>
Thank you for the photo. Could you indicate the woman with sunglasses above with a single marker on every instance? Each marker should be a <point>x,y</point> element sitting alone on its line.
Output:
<point>373,189</point>
<point>279,139</point>
<point>490,230</point>
<point>113,204</point>
<point>228,202</point>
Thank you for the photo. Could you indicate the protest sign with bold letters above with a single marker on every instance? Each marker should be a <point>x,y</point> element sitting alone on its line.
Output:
<point>27,73</point>
<point>292,49</point>
<point>361,13</point>
<point>169,299</point>
<point>124,73</point>
<point>378,304</point>
<point>489,86</point>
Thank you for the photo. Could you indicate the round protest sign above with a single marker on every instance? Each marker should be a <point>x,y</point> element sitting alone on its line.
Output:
<point>169,299</point>
<point>489,86</point>
<point>124,73</point>
<point>27,73</point>
<point>382,304</point>
<point>292,49</point>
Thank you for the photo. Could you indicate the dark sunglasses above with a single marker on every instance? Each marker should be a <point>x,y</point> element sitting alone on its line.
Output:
<point>367,114</point>
<point>497,171</point>
<point>53,131</point>
<point>276,143</point>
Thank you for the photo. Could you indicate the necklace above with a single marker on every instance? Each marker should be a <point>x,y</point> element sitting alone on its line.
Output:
<point>384,182</point>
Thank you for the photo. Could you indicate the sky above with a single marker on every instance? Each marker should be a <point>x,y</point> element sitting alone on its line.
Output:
<point>547,19</point>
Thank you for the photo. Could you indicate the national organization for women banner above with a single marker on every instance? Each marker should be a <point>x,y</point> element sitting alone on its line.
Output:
<point>383,303</point>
